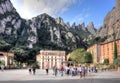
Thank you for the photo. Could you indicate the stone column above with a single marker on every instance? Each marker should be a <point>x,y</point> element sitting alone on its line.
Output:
<point>53,60</point>
<point>41,62</point>
<point>6,60</point>
<point>50,61</point>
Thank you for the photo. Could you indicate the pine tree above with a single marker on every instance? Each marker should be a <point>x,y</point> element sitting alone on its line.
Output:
<point>115,50</point>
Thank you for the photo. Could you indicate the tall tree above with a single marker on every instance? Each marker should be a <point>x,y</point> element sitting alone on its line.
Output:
<point>115,50</point>
<point>115,45</point>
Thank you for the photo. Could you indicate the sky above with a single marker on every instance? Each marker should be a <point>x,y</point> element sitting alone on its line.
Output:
<point>77,11</point>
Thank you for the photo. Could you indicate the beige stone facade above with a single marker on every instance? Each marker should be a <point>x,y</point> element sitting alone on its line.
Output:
<point>7,57</point>
<point>50,58</point>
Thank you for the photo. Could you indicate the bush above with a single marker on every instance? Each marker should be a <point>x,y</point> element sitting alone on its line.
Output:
<point>117,61</point>
<point>106,61</point>
<point>112,66</point>
<point>99,66</point>
<point>2,62</point>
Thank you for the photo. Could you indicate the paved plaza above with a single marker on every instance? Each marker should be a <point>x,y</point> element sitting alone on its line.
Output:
<point>22,76</point>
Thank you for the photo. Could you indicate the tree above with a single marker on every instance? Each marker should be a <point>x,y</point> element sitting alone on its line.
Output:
<point>32,55</point>
<point>117,61</point>
<point>4,46</point>
<point>81,56</point>
<point>2,62</point>
<point>115,50</point>
<point>21,55</point>
<point>97,39</point>
<point>88,57</point>
<point>70,59</point>
<point>77,55</point>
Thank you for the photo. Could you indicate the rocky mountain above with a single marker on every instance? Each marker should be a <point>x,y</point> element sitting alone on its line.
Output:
<point>10,20</point>
<point>46,32</point>
<point>86,33</point>
<point>51,31</point>
<point>83,26</point>
<point>43,31</point>
<point>91,28</point>
<point>111,26</point>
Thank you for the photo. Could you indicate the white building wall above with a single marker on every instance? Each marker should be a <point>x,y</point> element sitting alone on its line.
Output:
<point>54,57</point>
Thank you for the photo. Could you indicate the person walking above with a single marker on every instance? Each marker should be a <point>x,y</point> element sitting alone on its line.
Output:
<point>62,70</point>
<point>68,70</point>
<point>83,71</point>
<point>34,70</point>
<point>80,70</point>
<point>47,69</point>
<point>29,69</point>
<point>2,67</point>
<point>73,71</point>
<point>55,70</point>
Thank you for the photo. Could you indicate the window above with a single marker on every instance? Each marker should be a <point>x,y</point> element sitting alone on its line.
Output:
<point>1,54</point>
<point>52,58</point>
<point>55,59</point>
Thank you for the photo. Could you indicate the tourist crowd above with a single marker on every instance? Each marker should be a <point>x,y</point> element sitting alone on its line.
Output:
<point>81,71</point>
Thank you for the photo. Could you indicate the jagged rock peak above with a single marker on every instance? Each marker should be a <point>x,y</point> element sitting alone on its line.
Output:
<point>111,21</point>
<point>68,24</point>
<point>6,6</point>
<point>90,25</point>
<point>83,26</point>
<point>91,28</point>
<point>73,25</point>
<point>10,20</point>
<point>59,20</point>
<point>42,15</point>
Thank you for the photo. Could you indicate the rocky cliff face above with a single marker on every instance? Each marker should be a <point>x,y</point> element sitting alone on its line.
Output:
<point>86,33</point>
<point>10,20</point>
<point>50,30</point>
<point>83,26</point>
<point>111,23</point>
<point>42,31</point>
<point>91,28</point>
